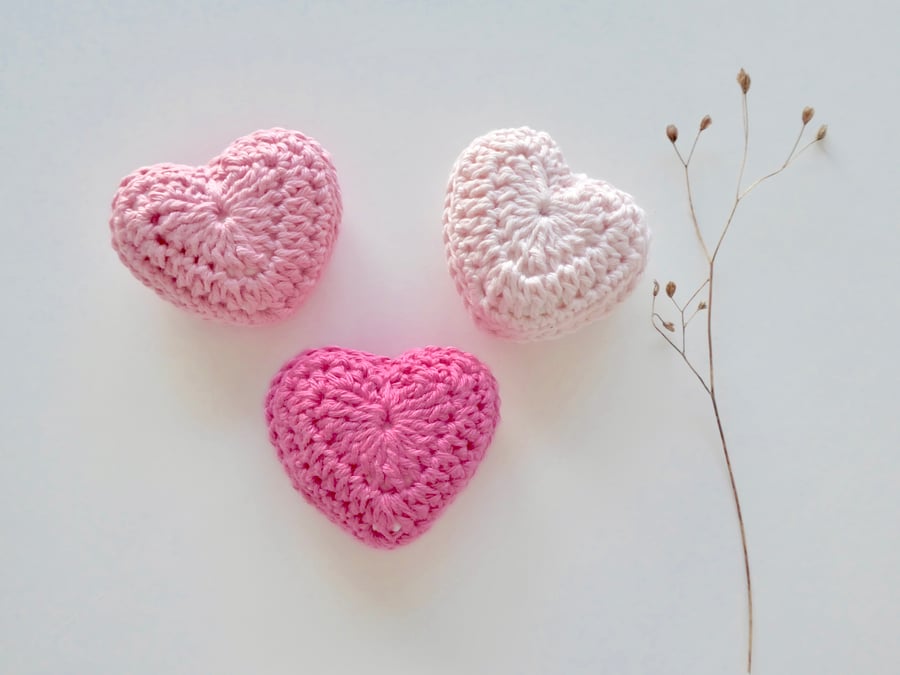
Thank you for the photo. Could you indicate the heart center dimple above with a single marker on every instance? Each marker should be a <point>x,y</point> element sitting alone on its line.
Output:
<point>386,421</point>
<point>544,205</point>
<point>218,202</point>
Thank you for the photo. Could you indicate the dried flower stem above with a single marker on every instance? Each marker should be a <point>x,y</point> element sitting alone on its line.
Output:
<point>690,193</point>
<point>709,383</point>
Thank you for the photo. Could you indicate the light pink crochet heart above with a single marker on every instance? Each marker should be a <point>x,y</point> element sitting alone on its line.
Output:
<point>381,446</point>
<point>536,250</point>
<point>243,239</point>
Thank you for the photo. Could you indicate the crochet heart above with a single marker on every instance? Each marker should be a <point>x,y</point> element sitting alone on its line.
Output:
<point>381,446</point>
<point>243,239</point>
<point>535,250</point>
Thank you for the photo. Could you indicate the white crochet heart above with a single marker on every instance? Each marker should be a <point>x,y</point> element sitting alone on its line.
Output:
<point>535,250</point>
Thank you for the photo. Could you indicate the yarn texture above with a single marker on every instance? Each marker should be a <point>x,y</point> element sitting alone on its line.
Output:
<point>535,250</point>
<point>381,446</point>
<point>243,239</point>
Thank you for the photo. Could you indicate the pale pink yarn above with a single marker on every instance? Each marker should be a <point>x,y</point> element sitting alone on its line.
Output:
<point>243,239</point>
<point>381,446</point>
<point>535,250</point>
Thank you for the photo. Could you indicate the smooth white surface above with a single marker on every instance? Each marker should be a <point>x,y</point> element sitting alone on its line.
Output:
<point>146,526</point>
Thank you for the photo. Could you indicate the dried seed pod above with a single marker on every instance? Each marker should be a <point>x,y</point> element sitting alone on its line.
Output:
<point>672,133</point>
<point>669,326</point>
<point>670,289</point>
<point>655,288</point>
<point>808,113</point>
<point>743,79</point>
<point>822,131</point>
<point>705,122</point>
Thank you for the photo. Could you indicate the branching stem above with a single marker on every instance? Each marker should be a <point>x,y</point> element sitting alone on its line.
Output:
<point>662,326</point>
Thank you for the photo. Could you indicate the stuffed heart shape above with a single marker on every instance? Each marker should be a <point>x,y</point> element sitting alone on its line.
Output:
<point>243,239</point>
<point>381,446</point>
<point>535,250</point>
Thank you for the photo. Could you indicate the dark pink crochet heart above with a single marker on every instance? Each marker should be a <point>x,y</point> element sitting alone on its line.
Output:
<point>381,446</point>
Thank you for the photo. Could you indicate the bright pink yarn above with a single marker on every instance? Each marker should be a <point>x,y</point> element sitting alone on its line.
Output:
<point>243,239</point>
<point>381,446</point>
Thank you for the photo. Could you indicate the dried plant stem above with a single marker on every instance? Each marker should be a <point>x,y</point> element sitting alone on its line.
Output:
<point>710,388</point>
<point>745,116</point>
<point>663,327</point>
<point>734,491</point>
<point>690,193</point>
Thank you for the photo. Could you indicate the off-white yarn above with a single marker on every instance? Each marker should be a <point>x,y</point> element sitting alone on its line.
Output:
<point>535,250</point>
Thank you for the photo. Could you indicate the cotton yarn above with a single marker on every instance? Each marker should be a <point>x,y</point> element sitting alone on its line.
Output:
<point>243,239</point>
<point>535,250</point>
<point>381,446</point>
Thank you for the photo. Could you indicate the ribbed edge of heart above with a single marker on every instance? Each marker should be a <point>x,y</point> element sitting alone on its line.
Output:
<point>535,250</point>
<point>382,446</point>
<point>243,239</point>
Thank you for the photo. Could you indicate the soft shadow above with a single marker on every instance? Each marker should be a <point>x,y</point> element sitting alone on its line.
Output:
<point>545,380</point>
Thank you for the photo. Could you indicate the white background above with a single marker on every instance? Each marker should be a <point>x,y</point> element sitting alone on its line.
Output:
<point>146,526</point>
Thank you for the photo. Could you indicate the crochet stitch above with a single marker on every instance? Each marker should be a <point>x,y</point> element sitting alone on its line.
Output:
<point>381,446</point>
<point>243,239</point>
<point>535,250</point>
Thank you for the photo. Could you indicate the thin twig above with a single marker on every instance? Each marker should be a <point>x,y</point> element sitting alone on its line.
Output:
<point>694,145</point>
<point>712,373</point>
<point>745,116</point>
<point>755,184</point>
<point>794,147</point>
<point>693,314</point>
<point>709,384</point>
<point>697,292</point>
<point>737,505</point>
<point>677,349</point>
<point>787,162</point>
<point>734,490</point>
<point>690,193</point>
<point>737,194</point>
